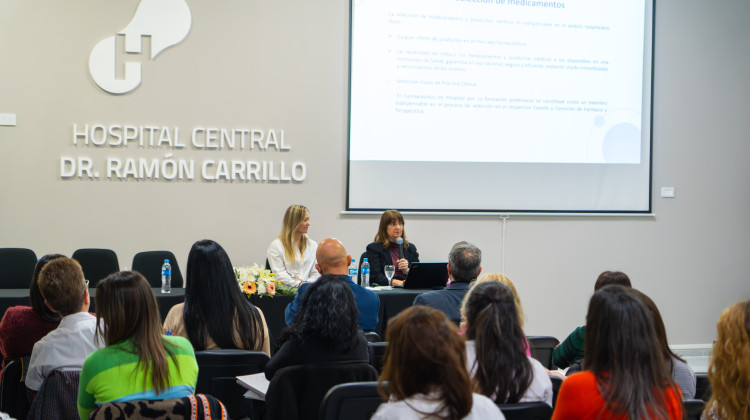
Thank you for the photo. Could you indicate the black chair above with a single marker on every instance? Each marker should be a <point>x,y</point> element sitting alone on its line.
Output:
<point>13,390</point>
<point>217,375</point>
<point>526,411</point>
<point>296,392</point>
<point>16,268</point>
<point>541,349</point>
<point>97,263</point>
<point>372,337</point>
<point>703,389</point>
<point>692,409</point>
<point>377,351</point>
<point>149,264</point>
<point>350,401</point>
<point>556,384</point>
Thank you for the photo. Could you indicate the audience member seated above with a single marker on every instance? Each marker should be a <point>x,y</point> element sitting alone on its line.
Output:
<point>623,377</point>
<point>212,298</point>
<point>139,363</point>
<point>729,368</point>
<point>292,255</point>
<point>334,261</point>
<point>63,287</point>
<point>464,266</point>
<point>502,278</point>
<point>496,348</point>
<point>682,374</point>
<point>571,349</point>
<point>324,330</point>
<point>425,367</point>
<point>385,250</point>
<point>22,326</point>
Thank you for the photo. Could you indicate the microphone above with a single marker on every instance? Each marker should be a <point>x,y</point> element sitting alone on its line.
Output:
<point>400,242</point>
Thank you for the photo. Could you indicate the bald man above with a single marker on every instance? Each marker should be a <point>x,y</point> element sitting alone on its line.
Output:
<point>334,261</point>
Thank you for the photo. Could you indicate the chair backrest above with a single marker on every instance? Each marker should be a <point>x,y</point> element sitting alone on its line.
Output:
<point>556,384</point>
<point>703,389</point>
<point>217,375</point>
<point>526,411</point>
<point>541,349</point>
<point>16,268</point>
<point>199,407</point>
<point>372,337</point>
<point>351,401</point>
<point>377,351</point>
<point>149,264</point>
<point>97,263</point>
<point>13,390</point>
<point>692,409</point>
<point>57,398</point>
<point>296,392</point>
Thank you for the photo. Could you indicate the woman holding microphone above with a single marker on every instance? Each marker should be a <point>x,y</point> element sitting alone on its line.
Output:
<point>390,248</point>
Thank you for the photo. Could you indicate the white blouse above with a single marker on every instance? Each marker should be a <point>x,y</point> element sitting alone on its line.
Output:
<point>303,267</point>
<point>541,385</point>
<point>482,408</point>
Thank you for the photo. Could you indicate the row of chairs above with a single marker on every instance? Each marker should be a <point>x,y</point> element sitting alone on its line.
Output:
<point>17,266</point>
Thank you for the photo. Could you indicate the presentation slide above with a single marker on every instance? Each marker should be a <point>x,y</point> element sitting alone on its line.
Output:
<point>521,88</point>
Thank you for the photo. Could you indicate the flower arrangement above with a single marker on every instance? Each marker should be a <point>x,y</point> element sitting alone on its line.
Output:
<point>254,280</point>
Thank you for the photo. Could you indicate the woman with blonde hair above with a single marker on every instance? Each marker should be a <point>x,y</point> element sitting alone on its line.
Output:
<point>729,369</point>
<point>425,367</point>
<point>385,250</point>
<point>292,255</point>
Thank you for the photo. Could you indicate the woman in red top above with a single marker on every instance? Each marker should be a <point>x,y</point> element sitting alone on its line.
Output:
<point>626,376</point>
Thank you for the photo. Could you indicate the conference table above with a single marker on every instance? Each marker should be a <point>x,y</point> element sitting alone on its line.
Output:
<point>391,303</point>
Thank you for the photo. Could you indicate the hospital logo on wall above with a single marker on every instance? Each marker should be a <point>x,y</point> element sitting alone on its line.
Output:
<point>166,22</point>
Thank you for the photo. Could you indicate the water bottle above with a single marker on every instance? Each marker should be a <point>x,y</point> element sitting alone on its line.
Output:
<point>166,277</point>
<point>365,273</point>
<point>353,270</point>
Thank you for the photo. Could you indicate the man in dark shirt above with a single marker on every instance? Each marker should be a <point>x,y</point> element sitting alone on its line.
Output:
<point>464,266</point>
<point>332,260</point>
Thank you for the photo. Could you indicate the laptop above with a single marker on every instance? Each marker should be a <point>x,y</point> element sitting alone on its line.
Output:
<point>427,275</point>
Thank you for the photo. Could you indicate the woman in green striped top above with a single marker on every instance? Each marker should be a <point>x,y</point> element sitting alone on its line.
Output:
<point>139,363</point>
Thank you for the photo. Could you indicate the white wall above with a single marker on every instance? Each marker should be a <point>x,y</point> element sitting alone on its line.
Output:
<point>284,65</point>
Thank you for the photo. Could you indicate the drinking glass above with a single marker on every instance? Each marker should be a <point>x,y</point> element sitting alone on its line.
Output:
<point>389,272</point>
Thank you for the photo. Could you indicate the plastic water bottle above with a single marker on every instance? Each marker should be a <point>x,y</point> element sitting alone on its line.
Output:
<point>353,270</point>
<point>166,277</point>
<point>365,273</point>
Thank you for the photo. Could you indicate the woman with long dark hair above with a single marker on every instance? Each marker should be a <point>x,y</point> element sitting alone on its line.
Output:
<point>324,330</point>
<point>385,250</point>
<point>496,348</point>
<point>682,374</point>
<point>215,314</point>
<point>729,368</point>
<point>292,255</point>
<point>425,367</point>
<point>22,326</point>
<point>625,376</point>
<point>138,362</point>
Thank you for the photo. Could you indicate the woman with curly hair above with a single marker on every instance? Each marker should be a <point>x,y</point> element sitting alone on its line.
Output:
<point>425,367</point>
<point>325,329</point>
<point>729,369</point>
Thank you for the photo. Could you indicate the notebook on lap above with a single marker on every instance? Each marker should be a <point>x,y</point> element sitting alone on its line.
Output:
<point>427,275</point>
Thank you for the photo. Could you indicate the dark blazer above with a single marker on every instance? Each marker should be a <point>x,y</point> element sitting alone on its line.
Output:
<point>379,258</point>
<point>447,300</point>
